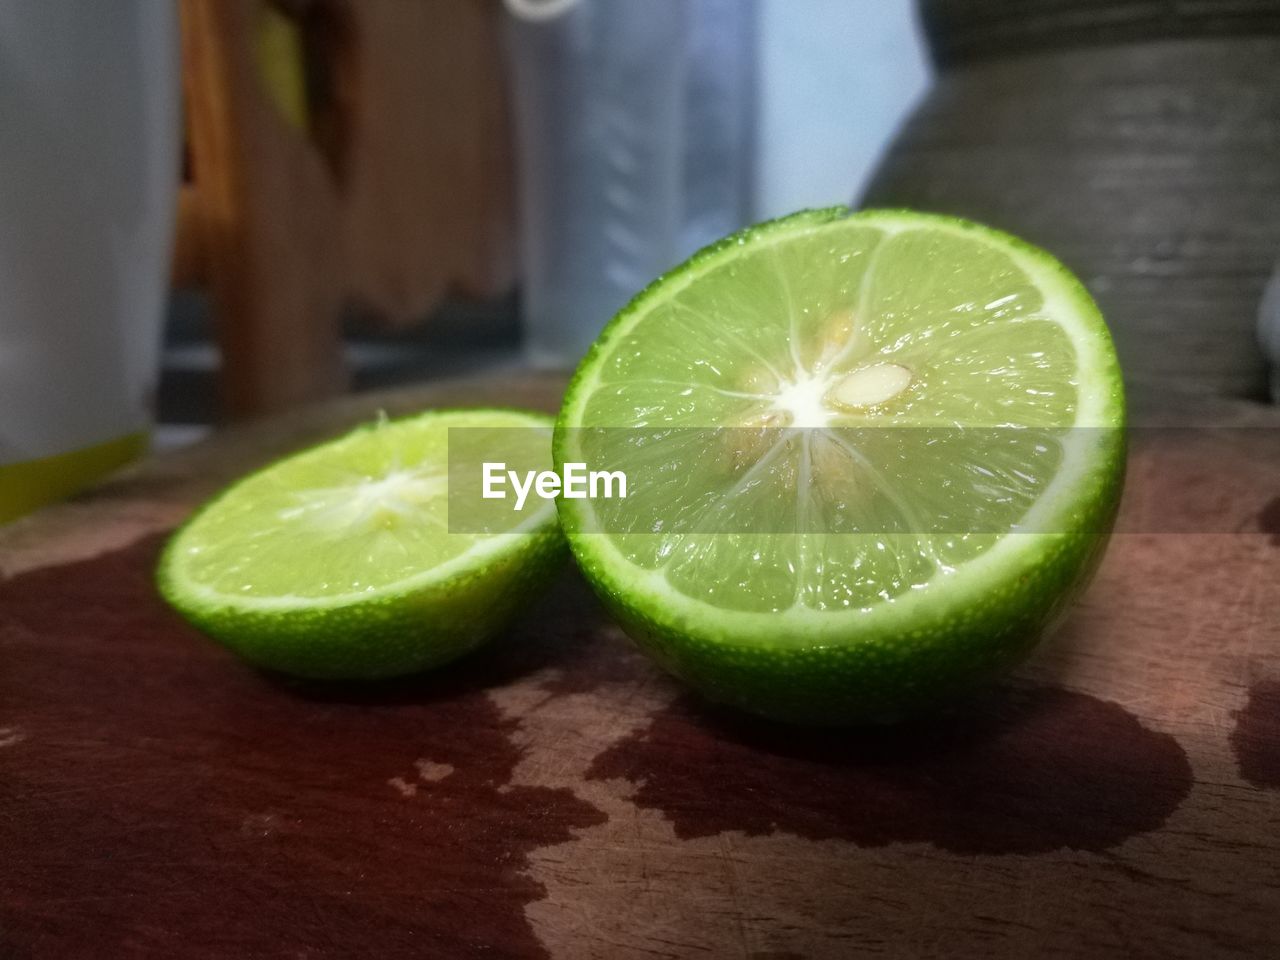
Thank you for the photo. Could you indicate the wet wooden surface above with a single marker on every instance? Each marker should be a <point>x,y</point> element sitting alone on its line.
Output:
<point>556,796</point>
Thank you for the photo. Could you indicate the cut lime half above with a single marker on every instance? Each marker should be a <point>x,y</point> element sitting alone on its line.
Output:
<point>339,562</point>
<point>805,537</point>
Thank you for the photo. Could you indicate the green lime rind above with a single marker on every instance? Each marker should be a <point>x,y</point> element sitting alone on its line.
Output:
<point>881,662</point>
<point>417,624</point>
<point>873,671</point>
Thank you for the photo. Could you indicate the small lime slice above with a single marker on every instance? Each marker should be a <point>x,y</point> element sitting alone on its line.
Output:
<point>339,562</point>
<point>813,532</point>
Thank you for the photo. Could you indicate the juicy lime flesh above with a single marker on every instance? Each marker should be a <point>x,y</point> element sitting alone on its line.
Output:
<point>844,571</point>
<point>339,562</point>
<point>767,338</point>
<point>352,517</point>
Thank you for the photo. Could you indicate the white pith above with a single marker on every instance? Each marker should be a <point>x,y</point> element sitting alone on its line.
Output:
<point>368,502</point>
<point>814,397</point>
<point>803,403</point>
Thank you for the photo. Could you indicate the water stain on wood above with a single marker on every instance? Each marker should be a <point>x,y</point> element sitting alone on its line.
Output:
<point>1256,737</point>
<point>1269,521</point>
<point>1027,770</point>
<point>156,749</point>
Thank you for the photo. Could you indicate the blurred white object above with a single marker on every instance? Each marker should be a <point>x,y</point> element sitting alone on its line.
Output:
<point>88,177</point>
<point>649,128</point>
<point>721,105</point>
<point>837,78</point>
<point>1269,330</point>
<point>597,88</point>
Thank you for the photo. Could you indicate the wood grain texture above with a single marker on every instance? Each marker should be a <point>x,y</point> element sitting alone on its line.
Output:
<point>1151,167</point>
<point>555,795</point>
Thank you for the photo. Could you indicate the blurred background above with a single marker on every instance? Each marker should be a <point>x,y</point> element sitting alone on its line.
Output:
<point>214,210</point>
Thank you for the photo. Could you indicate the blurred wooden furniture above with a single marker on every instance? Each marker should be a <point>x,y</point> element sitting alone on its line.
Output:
<point>1138,141</point>
<point>341,154</point>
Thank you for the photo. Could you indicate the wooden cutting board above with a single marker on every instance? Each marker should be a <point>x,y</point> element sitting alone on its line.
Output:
<point>556,796</point>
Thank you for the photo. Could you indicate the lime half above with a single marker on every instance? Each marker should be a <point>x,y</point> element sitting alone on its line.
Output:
<point>339,562</point>
<point>871,458</point>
